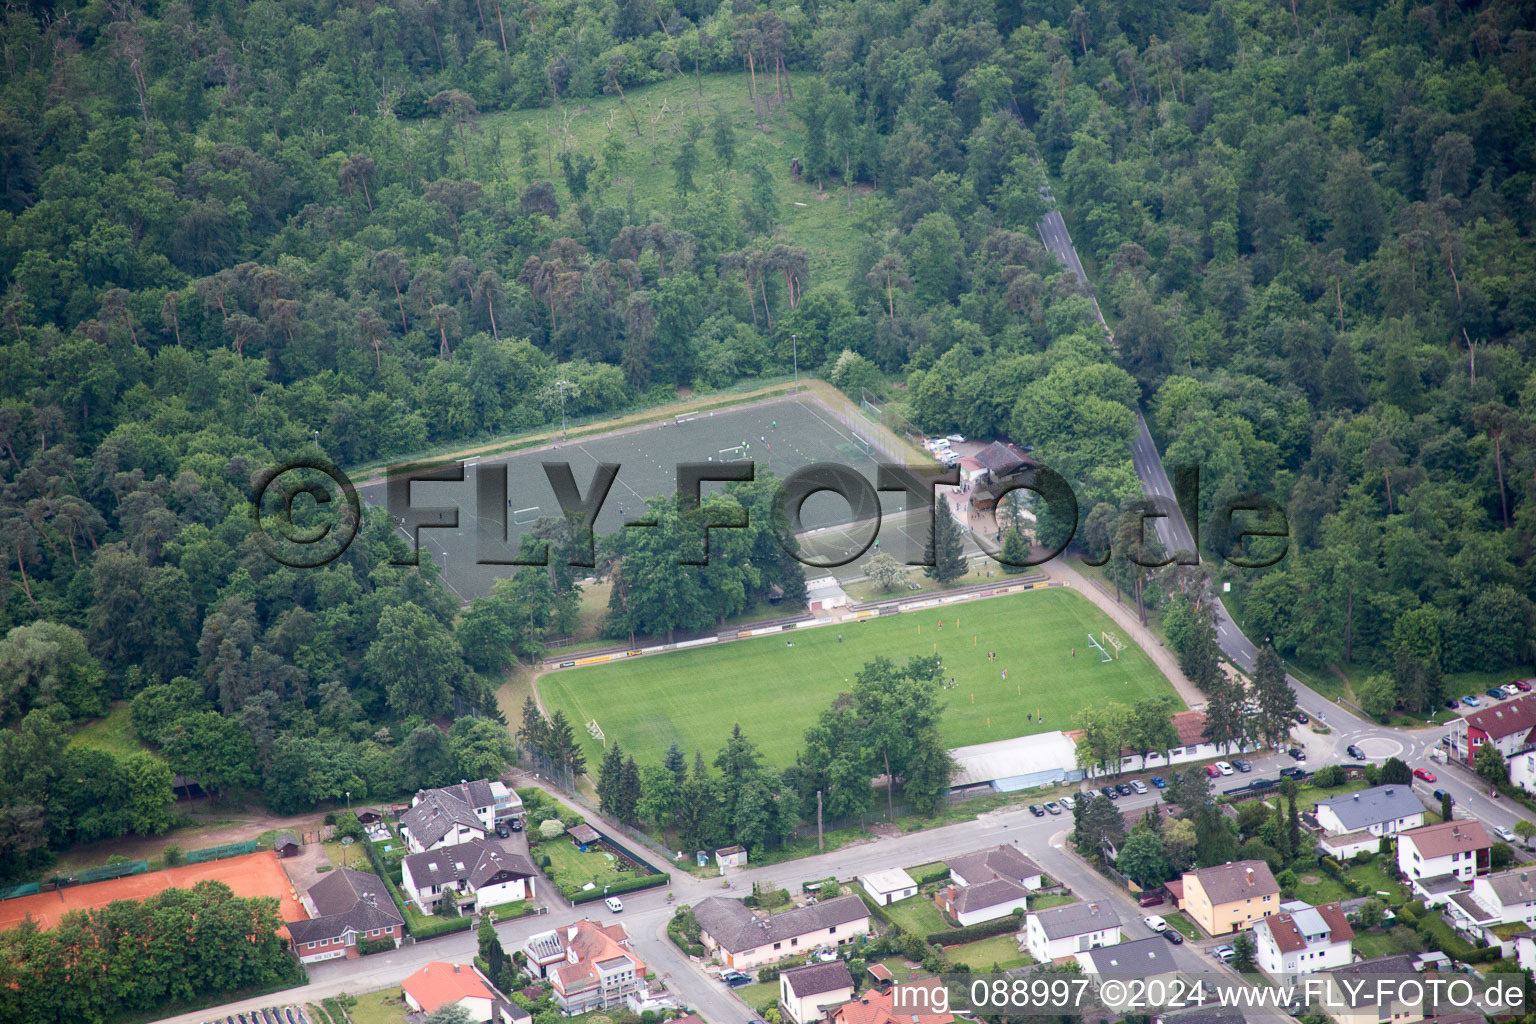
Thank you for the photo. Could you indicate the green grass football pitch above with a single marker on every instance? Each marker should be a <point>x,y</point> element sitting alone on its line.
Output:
<point>776,692</point>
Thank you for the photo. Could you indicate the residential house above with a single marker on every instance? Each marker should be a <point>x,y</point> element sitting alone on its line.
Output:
<point>1145,958</point>
<point>998,862</point>
<point>442,984</point>
<point>482,873</point>
<point>807,993</point>
<point>1439,860</point>
<point>1506,898</point>
<point>588,965</point>
<point>1302,939</point>
<point>912,1002</point>
<point>888,886</point>
<point>1229,897</point>
<point>448,817</point>
<point>1192,746</point>
<point>344,906</point>
<point>1358,1003</point>
<point>745,940</point>
<point>1062,932</point>
<point>1510,726</point>
<point>984,901</point>
<point>1378,811</point>
<point>1522,770</point>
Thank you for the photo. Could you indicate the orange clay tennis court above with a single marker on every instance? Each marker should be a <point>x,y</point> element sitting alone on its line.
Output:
<point>251,874</point>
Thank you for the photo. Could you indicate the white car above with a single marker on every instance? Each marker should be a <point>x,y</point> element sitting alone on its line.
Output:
<point>1226,954</point>
<point>1156,923</point>
<point>1138,785</point>
<point>1224,768</point>
<point>1068,802</point>
<point>1504,833</point>
<point>613,904</point>
<point>1511,690</point>
<point>956,438</point>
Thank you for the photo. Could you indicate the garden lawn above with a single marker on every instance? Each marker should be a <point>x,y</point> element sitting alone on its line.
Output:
<point>1051,899</point>
<point>1400,939</point>
<point>382,1007</point>
<point>759,995</point>
<point>1325,890</point>
<point>569,866</point>
<point>918,915</point>
<point>1002,950</point>
<point>693,697</point>
<point>1183,925</point>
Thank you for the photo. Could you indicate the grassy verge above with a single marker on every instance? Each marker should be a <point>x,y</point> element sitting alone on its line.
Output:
<point>1182,924</point>
<point>212,999</point>
<point>113,732</point>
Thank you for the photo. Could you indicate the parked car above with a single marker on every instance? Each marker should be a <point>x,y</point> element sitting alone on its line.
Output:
<point>1037,810</point>
<point>1149,899</point>
<point>1242,764</point>
<point>1496,692</point>
<point>1297,753</point>
<point>1445,740</point>
<point>1068,802</point>
<point>1293,773</point>
<point>1441,794</point>
<point>1122,789</point>
<point>1301,718</point>
<point>614,905</point>
<point>502,830</point>
<point>1503,833</point>
<point>735,978</point>
<point>1138,785</point>
<point>1158,782</point>
<point>1453,705</point>
<point>1154,922</point>
<point>1225,954</point>
<point>1424,773</point>
<point>1173,936</point>
<point>1523,685</point>
<point>1210,770</point>
<point>517,824</point>
<point>1355,752</point>
<point>1224,768</point>
<point>1510,689</point>
<point>826,956</point>
<point>1052,807</point>
<point>1471,701</point>
<point>956,438</point>
<point>1109,793</point>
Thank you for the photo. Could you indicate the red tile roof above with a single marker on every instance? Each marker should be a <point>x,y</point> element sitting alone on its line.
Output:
<point>1507,719</point>
<point>1448,838</point>
<point>878,1007</point>
<point>439,983</point>
<point>1191,728</point>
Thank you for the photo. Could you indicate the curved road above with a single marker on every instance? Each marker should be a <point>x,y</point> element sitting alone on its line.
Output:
<point>1377,741</point>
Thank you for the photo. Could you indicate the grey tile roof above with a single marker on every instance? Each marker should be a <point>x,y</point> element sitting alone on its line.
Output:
<point>997,862</point>
<point>283,839</point>
<point>995,893</point>
<point>1514,886</point>
<point>436,812</point>
<point>1140,959</point>
<point>477,862</point>
<point>814,979</point>
<point>1374,806</point>
<point>733,926</point>
<point>1399,963</point>
<point>1076,919</point>
<point>344,899</point>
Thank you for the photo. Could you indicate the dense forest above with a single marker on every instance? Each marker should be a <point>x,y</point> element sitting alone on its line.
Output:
<point>234,233</point>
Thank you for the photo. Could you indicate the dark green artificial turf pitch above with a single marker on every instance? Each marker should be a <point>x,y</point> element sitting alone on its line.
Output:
<point>776,692</point>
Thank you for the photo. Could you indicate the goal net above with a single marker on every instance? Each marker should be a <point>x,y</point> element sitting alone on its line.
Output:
<point>1112,642</point>
<point>1103,654</point>
<point>736,454</point>
<point>597,732</point>
<point>524,516</point>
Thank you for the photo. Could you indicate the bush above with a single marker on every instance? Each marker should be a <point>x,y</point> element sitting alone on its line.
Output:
<point>576,895</point>
<point>984,930</point>
<point>330,817</point>
<point>1327,776</point>
<point>173,856</point>
<point>1501,856</point>
<point>937,873</point>
<point>380,945</point>
<point>322,869</point>
<point>550,828</point>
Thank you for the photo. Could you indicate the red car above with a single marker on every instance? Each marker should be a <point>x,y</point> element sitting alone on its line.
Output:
<point>1210,770</point>
<point>1421,773</point>
<point>1522,686</point>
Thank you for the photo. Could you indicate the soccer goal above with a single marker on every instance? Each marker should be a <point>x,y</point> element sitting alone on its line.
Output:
<point>736,454</point>
<point>685,417</point>
<point>1103,654</point>
<point>863,445</point>
<point>597,732</point>
<point>1112,642</point>
<point>524,516</point>
<point>871,404</point>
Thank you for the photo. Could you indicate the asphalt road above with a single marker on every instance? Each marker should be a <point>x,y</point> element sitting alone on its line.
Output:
<point>1378,742</point>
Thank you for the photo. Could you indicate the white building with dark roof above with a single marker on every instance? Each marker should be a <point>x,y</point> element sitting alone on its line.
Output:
<point>1062,932</point>
<point>745,940</point>
<point>808,993</point>
<point>1505,898</point>
<point>482,873</point>
<point>449,816</point>
<point>344,907</point>
<point>1380,810</point>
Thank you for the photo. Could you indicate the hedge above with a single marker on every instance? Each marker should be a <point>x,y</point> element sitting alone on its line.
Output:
<point>367,946</point>
<point>984,930</point>
<point>577,895</point>
<point>937,873</point>
<point>876,909</point>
